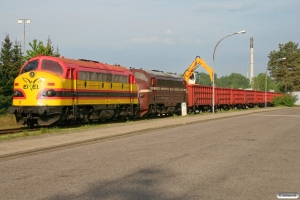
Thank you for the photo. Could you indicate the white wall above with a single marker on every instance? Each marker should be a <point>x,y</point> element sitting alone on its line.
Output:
<point>297,94</point>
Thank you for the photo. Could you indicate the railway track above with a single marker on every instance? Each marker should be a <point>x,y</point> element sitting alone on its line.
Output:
<point>21,129</point>
<point>16,130</point>
<point>104,122</point>
<point>11,130</point>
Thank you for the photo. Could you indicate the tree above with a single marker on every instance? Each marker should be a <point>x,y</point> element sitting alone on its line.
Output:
<point>259,83</point>
<point>286,73</point>
<point>203,79</point>
<point>234,80</point>
<point>16,64</point>
<point>38,48</point>
<point>223,81</point>
<point>10,63</point>
<point>11,60</point>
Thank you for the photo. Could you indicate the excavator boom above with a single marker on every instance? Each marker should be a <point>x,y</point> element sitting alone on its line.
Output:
<point>191,69</point>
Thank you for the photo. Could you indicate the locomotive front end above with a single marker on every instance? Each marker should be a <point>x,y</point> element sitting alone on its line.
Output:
<point>34,98</point>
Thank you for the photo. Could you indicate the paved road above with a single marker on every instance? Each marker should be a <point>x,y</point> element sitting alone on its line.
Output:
<point>246,157</point>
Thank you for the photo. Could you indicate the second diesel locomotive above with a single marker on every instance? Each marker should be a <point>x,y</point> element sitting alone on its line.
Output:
<point>59,90</point>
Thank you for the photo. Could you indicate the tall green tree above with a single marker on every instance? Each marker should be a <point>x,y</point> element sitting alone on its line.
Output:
<point>38,48</point>
<point>286,73</point>
<point>10,63</point>
<point>16,64</point>
<point>203,79</point>
<point>259,83</point>
<point>234,80</point>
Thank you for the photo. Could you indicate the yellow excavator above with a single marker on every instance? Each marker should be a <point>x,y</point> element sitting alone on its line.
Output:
<point>191,70</point>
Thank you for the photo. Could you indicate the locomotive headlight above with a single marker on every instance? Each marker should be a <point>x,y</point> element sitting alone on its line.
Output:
<point>17,93</point>
<point>51,93</point>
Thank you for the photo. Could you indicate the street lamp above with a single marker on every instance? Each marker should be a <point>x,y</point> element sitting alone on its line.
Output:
<point>266,78</point>
<point>213,85</point>
<point>25,21</point>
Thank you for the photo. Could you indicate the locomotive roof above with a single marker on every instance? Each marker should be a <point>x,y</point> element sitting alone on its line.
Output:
<point>84,63</point>
<point>94,64</point>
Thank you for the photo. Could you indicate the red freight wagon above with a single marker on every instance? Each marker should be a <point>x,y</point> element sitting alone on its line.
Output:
<point>237,98</point>
<point>260,97</point>
<point>222,97</point>
<point>199,97</point>
<point>250,98</point>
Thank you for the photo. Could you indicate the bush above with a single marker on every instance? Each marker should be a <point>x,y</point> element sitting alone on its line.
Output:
<point>285,100</point>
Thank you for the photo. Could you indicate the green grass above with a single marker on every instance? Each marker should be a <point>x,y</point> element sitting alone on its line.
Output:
<point>7,121</point>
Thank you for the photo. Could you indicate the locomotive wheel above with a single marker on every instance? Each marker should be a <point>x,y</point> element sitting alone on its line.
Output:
<point>67,122</point>
<point>78,122</point>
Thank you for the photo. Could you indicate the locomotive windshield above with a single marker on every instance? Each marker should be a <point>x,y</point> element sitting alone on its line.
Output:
<point>52,66</point>
<point>141,76</point>
<point>30,66</point>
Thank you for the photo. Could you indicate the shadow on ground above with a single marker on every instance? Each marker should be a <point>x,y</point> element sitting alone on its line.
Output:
<point>147,183</point>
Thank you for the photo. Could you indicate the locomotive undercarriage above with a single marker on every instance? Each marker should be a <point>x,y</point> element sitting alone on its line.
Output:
<point>31,115</point>
<point>78,114</point>
<point>48,115</point>
<point>162,110</point>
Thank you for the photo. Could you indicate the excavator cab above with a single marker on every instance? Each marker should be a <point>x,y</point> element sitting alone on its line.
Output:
<point>193,79</point>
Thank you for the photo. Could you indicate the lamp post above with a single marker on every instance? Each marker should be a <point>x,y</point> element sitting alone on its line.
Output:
<point>213,85</point>
<point>266,78</point>
<point>25,21</point>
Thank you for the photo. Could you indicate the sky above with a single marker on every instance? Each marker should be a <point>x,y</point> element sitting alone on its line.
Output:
<point>164,35</point>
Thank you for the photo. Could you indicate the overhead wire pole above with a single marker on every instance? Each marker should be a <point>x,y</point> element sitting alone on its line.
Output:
<point>213,85</point>
<point>280,59</point>
<point>25,21</point>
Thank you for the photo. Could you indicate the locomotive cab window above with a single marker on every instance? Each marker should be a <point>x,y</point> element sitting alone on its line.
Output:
<point>141,76</point>
<point>93,76</point>
<point>123,79</point>
<point>109,77</point>
<point>81,75</point>
<point>52,66</point>
<point>30,66</point>
<point>100,77</point>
